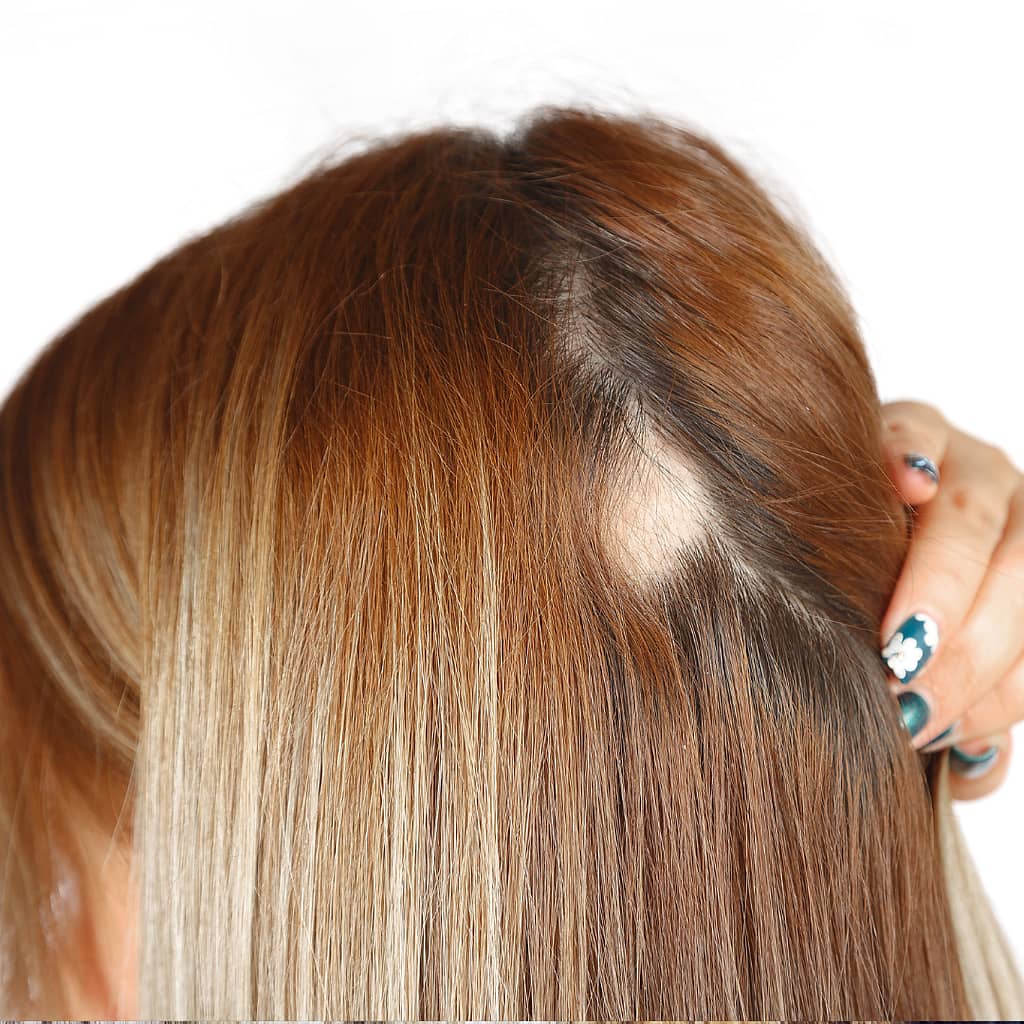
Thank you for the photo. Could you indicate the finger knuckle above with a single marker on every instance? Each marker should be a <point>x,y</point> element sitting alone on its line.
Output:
<point>983,511</point>
<point>951,584</point>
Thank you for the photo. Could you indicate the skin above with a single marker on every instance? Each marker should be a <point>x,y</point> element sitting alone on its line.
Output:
<point>99,937</point>
<point>965,567</point>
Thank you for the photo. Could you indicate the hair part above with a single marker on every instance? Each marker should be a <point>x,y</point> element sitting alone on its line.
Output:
<point>464,568</point>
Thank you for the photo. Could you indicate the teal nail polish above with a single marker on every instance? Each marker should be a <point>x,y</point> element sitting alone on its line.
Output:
<point>923,463</point>
<point>944,735</point>
<point>972,766</point>
<point>914,709</point>
<point>909,649</point>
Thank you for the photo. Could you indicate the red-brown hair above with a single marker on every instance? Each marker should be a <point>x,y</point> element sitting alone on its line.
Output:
<point>314,553</point>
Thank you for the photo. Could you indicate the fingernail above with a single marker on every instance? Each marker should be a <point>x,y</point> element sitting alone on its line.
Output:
<point>923,463</point>
<point>914,709</point>
<point>940,740</point>
<point>972,766</point>
<point>907,651</point>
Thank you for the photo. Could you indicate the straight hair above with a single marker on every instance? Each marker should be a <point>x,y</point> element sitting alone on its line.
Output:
<point>456,579</point>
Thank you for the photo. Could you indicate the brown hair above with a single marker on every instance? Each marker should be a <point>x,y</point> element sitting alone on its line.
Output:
<point>457,577</point>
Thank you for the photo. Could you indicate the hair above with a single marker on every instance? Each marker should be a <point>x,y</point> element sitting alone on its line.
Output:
<point>456,579</point>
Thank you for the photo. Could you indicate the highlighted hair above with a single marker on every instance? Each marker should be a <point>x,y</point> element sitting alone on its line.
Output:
<point>456,580</point>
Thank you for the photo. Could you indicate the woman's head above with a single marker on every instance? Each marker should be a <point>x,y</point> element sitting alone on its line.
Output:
<point>457,579</point>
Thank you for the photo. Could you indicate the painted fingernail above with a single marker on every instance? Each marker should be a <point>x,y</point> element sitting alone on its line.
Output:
<point>940,740</point>
<point>907,651</point>
<point>914,709</point>
<point>923,463</point>
<point>972,766</point>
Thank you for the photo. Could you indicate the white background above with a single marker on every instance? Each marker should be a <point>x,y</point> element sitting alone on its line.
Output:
<point>893,129</point>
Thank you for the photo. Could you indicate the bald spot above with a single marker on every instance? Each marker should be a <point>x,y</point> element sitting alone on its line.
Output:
<point>659,508</point>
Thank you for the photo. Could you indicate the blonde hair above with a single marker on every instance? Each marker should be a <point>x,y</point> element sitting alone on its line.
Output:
<point>456,580</point>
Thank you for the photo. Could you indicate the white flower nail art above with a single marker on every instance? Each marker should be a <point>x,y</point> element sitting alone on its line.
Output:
<point>902,655</point>
<point>931,630</point>
<point>911,645</point>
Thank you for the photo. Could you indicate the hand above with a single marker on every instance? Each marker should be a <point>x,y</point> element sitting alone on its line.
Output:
<point>958,669</point>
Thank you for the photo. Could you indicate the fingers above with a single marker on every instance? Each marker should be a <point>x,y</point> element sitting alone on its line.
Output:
<point>979,768</point>
<point>962,583</point>
<point>954,537</point>
<point>914,441</point>
<point>985,622</point>
<point>997,711</point>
